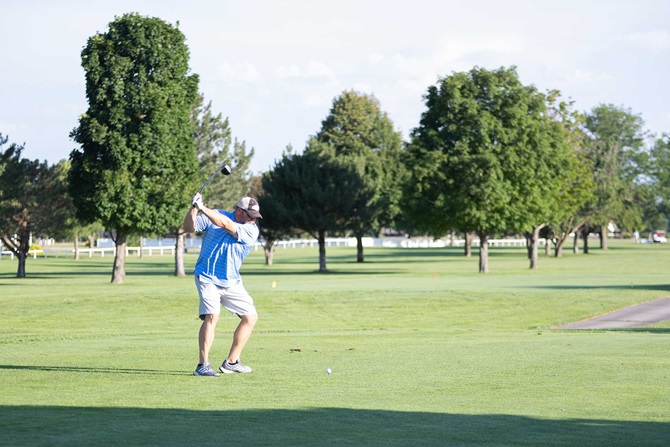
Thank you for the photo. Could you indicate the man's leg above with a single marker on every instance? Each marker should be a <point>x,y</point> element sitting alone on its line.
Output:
<point>206,336</point>
<point>241,336</point>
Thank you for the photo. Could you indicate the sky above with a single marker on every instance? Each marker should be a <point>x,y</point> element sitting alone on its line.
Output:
<point>274,67</point>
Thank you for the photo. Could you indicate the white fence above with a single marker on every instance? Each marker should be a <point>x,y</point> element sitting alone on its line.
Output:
<point>401,242</point>
<point>92,251</point>
<point>391,242</point>
<point>440,243</point>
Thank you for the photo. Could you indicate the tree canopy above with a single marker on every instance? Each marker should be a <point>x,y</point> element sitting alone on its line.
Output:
<point>615,140</point>
<point>658,210</point>
<point>137,155</point>
<point>358,131</point>
<point>305,192</point>
<point>33,201</point>
<point>484,157</point>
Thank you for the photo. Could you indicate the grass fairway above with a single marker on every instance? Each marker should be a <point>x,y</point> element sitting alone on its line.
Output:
<point>424,351</point>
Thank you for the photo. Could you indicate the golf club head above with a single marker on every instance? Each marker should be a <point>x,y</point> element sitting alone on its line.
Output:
<point>225,170</point>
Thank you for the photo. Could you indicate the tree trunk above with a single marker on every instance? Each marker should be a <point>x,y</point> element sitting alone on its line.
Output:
<point>547,247</point>
<point>558,249</point>
<point>359,248</point>
<point>535,236</point>
<point>91,241</point>
<point>24,246</point>
<point>603,237</point>
<point>21,270</point>
<point>179,269</point>
<point>119,271</point>
<point>560,241</point>
<point>322,251</point>
<point>529,244</point>
<point>140,254</point>
<point>468,244</point>
<point>269,249</point>
<point>76,247</point>
<point>585,238</point>
<point>575,243</point>
<point>483,253</point>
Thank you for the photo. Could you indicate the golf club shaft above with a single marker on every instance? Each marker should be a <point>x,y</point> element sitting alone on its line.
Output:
<point>207,181</point>
<point>225,169</point>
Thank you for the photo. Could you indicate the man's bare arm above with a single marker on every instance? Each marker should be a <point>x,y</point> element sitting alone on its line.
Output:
<point>220,220</point>
<point>189,220</point>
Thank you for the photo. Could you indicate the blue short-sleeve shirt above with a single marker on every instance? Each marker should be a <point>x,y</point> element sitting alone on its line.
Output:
<point>221,255</point>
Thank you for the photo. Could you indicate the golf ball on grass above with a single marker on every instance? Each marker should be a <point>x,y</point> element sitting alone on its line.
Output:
<point>328,370</point>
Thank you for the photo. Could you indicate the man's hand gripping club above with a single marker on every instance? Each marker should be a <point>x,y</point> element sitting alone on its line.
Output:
<point>196,202</point>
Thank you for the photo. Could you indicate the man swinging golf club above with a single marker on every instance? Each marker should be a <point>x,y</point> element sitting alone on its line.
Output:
<point>228,238</point>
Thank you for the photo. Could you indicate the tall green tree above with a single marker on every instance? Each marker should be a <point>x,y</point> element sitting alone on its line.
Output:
<point>357,128</point>
<point>137,157</point>
<point>33,201</point>
<point>615,147</point>
<point>304,192</point>
<point>658,208</point>
<point>577,192</point>
<point>574,185</point>
<point>551,189</point>
<point>276,223</point>
<point>482,156</point>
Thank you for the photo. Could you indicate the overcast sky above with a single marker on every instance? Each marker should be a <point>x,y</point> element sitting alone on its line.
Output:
<point>274,67</point>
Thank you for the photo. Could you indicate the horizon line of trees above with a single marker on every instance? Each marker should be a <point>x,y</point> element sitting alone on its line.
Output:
<point>490,156</point>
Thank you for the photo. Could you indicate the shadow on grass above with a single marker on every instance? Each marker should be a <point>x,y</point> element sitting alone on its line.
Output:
<point>403,255</point>
<point>64,274</point>
<point>636,330</point>
<point>662,331</point>
<point>189,274</point>
<point>429,254</point>
<point>99,370</point>
<point>35,425</point>
<point>659,287</point>
<point>331,271</point>
<point>651,330</point>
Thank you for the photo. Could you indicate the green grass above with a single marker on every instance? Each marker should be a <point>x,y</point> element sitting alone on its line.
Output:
<point>424,351</point>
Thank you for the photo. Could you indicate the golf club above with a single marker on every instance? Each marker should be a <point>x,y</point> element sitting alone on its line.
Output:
<point>225,170</point>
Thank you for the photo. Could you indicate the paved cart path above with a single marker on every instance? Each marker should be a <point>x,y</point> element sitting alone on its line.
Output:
<point>634,316</point>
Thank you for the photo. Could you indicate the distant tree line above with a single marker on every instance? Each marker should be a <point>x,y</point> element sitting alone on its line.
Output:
<point>490,157</point>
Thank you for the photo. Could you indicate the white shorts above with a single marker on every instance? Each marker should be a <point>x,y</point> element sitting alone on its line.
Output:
<point>212,297</point>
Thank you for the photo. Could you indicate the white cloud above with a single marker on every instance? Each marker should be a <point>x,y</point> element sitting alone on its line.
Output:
<point>363,87</point>
<point>657,40</point>
<point>376,58</point>
<point>412,74</point>
<point>458,49</point>
<point>239,73</point>
<point>316,101</point>
<point>312,69</point>
<point>6,128</point>
<point>252,114</point>
<point>288,71</point>
<point>581,76</point>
